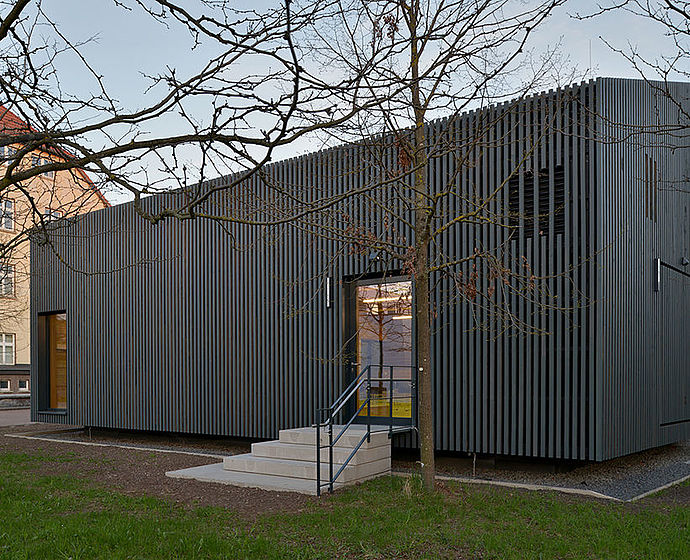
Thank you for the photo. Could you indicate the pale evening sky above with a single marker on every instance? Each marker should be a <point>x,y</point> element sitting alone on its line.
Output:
<point>128,44</point>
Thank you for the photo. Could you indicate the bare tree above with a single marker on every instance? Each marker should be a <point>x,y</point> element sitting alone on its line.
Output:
<point>375,74</point>
<point>64,141</point>
<point>413,62</point>
<point>65,136</point>
<point>229,114</point>
<point>420,60</point>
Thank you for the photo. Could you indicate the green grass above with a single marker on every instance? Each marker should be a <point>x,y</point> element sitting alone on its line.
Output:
<point>59,518</point>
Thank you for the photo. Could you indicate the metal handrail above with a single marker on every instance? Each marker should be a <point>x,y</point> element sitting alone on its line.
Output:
<point>352,392</point>
<point>334,409</point>
<point>342,395</point>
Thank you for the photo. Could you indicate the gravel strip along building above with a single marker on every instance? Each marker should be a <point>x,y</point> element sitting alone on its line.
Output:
<point>199,327</point>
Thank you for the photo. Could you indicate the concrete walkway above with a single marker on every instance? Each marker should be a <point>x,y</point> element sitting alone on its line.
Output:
<point>16,417</point>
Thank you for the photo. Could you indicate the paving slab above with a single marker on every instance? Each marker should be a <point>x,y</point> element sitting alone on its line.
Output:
<point>216,473</point>
<point>15,417</point>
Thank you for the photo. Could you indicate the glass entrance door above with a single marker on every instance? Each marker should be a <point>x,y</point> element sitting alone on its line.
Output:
<point>384,344</point>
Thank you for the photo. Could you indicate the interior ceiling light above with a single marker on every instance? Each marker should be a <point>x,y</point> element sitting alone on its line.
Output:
<point>402,317</point>
<point>382,299</point>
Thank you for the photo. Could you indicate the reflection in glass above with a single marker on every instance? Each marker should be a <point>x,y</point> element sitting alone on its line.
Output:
<point>384,342</point>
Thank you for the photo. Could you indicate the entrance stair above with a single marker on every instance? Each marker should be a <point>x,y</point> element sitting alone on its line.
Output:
<point>289,463</point>
<point>328,455</point>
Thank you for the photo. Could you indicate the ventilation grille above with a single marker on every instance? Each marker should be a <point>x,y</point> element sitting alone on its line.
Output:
<point>539,212</point>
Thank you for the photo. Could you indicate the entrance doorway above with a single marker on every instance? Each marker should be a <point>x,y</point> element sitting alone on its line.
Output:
<point>383,322</point>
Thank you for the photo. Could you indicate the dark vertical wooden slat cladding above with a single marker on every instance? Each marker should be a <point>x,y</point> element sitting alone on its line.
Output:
<point>549,352</point>
<point>233,335</point>
<point>488,373</point>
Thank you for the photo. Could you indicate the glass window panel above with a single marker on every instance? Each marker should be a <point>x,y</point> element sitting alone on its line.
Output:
<point>57,340</point>
<point>384,343</point>
<point>7,349</point>
<point>6,281</point>
<point>6,214</point>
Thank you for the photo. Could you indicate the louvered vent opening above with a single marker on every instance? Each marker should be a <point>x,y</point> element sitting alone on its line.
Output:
<point>538,211</point>
<point>559,200</point>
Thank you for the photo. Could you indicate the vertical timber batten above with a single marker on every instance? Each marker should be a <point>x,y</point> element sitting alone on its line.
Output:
<point>208,333</point>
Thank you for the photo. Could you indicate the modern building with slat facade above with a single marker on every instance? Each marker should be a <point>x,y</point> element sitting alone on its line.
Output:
<point>577,350</point>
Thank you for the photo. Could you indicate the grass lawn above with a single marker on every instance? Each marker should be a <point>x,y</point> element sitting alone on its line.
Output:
<point>61,517</point>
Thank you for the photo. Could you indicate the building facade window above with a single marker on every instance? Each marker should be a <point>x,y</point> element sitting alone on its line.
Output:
<point>6,280</point>
<point>7,214</point>
<point>7,153</point>
<point>23,385</point>
<point>50,174</point>
<point>6,349</point>
<point>4,385</point>
<point>52,214</point>
<point>54,355</point>
<point>37,161</point>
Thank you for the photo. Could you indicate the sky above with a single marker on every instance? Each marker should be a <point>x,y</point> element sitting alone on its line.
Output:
<point>126,45</point>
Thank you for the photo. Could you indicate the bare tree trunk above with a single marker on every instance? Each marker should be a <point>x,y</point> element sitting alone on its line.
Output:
<point>423,320</point>
<point>422,228</point>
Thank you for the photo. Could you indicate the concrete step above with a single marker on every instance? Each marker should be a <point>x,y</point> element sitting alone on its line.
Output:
<point>307,436</point>
<point>216,473</point>
<point>249,463</point>
<point>289,464</point>
<point>302,452</point>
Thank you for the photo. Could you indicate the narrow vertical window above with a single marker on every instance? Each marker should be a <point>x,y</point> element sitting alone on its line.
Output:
<point>6,280</point>
<point>7,214</point>
<point>651,188</point>
<point>655,187</point>
<point>7,349</point>
<point>57,359</point>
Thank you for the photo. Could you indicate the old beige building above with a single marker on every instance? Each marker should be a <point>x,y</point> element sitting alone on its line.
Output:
<point>23,209</point>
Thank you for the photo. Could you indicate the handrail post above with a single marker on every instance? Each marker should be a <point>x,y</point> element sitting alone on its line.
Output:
<point>415,376</point>
<point>368,404</point>
<point>330,454</point>
<point>318,453</point>
<point>390,408</point>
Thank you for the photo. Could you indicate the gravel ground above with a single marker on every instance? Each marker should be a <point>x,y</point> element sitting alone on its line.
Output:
<point>624,478</point>
<point>142,472</point>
